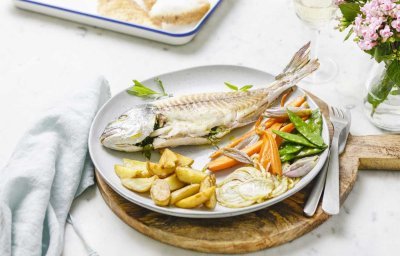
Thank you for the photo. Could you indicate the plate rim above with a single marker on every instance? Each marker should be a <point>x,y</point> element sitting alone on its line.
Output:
<point>210,215</point>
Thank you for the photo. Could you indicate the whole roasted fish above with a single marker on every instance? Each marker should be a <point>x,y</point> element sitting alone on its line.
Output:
<point>200,118</point>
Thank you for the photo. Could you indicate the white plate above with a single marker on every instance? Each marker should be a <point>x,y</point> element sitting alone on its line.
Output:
<point>85,11</point>
<point>193,80</point>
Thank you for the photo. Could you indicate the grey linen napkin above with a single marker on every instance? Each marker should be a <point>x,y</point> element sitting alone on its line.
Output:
<point>48,169</point>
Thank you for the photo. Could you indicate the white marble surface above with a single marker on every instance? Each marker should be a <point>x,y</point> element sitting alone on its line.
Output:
<point>43,58</point>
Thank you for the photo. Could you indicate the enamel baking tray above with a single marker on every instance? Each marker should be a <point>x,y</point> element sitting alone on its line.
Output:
<point>85,11</point>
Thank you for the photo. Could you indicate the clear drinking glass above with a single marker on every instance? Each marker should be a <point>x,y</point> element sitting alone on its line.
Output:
<point>316,14</point>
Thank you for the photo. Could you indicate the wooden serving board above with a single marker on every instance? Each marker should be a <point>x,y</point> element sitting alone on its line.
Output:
<point>265,228</point>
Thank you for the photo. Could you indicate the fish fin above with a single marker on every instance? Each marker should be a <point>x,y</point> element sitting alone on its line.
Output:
<point>300,59</point>
<point>299,67</point>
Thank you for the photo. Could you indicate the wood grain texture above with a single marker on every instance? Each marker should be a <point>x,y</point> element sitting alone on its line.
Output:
<point>266,228</point>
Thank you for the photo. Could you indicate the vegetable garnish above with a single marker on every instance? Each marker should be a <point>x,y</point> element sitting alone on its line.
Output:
<point>224,162</point>
<point>295,138</point>
<point>259,128</point>
<point>244,88</point>
<point>306,130</point>
<point>171,181</point>
<point>238,155</point>
<point>140,90</point>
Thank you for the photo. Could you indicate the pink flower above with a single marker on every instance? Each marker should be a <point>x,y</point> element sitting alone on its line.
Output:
<point>339,2</point>
<point>387,5</point>
<point>371,9</point>
<point>375,22</point>
<point>396,25</point>
<point>385,32</point>
<point>358,24</point>
<point>369,34</point>
<point>396,14</point>
<point>366,45</point>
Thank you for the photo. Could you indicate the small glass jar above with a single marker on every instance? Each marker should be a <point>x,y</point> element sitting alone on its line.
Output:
<point>382,102</point>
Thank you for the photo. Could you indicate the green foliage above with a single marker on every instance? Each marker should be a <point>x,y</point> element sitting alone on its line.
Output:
<point>349,11</point>
<point>140,90</point>
<point>382,52</point>
<point>244,88</point>
<point>393,71</point>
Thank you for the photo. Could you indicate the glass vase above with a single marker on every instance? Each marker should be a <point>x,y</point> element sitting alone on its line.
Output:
<point>382,102</point>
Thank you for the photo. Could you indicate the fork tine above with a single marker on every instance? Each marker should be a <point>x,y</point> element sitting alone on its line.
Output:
<point>342,114</point>
<point>331,112</point>
<point>334,111</point>
<point>339,113</point>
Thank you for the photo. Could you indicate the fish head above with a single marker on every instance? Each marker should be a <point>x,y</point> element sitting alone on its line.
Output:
<point>129,130</point>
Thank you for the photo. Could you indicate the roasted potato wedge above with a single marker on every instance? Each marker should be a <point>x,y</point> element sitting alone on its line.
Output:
<point>156,169</point>
<point>184,192</point>
<point>139,184</point>
<point>174,183</point>
<point>126,172</point>
<point>137,165</point>
<point>189,175</point>
<point>197,199</point>
<point>168,159</point>
<point>184,160</point>
<point>160,192</point>
<point>206,183</point>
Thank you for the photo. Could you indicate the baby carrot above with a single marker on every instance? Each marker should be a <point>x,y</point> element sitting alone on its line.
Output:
<point>233,143</point>
<point>284,97</point>
<point>276,165</point>
<point>298,101</point>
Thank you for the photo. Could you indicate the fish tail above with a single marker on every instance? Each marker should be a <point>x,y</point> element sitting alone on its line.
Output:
<point>299,67</point>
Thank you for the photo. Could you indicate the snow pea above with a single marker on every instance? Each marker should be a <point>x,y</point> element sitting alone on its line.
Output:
<point>315,122</point>
<point>302,153</point>
<point>305,130</point>
<point>290,148</point>
<point>308,152</point>
<point>295,138</point>
<point>287,157</point>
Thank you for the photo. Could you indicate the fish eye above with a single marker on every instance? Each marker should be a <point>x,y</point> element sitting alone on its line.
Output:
<point>122,117</point>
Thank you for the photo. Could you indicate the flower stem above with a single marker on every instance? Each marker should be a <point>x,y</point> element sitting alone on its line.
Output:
<point>380,91</point>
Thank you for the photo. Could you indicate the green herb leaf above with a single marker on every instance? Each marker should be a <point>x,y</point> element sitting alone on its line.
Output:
<point>140,90</point>
<point>159,82</point>
<point>349,10</point>
<point>348,34</point>
<point>246,88</point>
<point>393,71</point>
<point>147,151</point>
<point>231,86</point>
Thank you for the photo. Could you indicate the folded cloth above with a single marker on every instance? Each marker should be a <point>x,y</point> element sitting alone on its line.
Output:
<point>48,169</point>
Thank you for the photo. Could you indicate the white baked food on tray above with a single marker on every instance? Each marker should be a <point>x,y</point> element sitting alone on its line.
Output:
<point>155,13</point>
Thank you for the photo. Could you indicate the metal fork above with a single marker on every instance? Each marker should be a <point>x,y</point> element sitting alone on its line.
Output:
<point>313,199</point>
<point>331,199</point>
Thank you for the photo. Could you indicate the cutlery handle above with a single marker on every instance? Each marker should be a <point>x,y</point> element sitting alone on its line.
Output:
<point>331,199</point>
<point>313,199</point>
